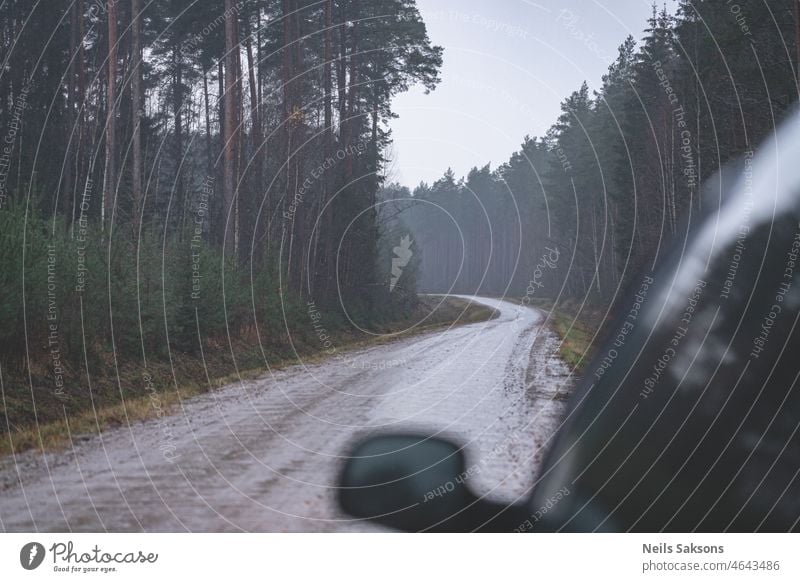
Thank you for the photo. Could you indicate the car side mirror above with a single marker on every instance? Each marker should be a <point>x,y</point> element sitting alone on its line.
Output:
<point>418,483</point>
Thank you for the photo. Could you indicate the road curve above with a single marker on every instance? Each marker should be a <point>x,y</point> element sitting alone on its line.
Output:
<point>263,455</point>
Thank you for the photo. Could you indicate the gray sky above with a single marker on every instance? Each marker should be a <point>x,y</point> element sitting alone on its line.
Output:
<point>507,66</point>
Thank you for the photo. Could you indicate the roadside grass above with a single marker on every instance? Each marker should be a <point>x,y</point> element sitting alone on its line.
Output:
<point>191,375</point>
<point>576,326</point>
<point>576,339</point>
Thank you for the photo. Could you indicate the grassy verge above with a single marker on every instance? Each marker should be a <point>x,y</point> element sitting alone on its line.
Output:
<point>134,396</point>
<point>576,327</point>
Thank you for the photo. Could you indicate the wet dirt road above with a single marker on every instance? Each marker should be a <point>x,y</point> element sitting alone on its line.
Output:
<point>263,455</point>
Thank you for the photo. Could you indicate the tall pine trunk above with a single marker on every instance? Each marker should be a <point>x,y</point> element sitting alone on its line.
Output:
<point>209,147</point>
<point>325,228</point>
<point>230,129</point>
<point>110,178</point>
<point>68,185</point>
<point>258,151</point>
<point>288,72</point>
<point>177,114</point>
<point>352,97</point>
<point>138,114</point>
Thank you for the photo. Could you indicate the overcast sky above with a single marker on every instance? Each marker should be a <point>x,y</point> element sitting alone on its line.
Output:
<point>507,66</point>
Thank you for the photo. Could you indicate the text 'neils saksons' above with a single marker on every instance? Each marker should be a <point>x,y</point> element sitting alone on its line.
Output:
<point>664,548</point>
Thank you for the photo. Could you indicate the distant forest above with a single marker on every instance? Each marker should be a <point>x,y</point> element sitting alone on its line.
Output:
<point>580,211</point>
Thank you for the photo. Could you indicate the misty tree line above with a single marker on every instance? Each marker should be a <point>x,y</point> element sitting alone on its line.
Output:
<point>597,200</point>
<point>172,161</point>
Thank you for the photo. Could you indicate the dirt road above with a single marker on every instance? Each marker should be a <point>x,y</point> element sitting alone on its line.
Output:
<point>263,455</point>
